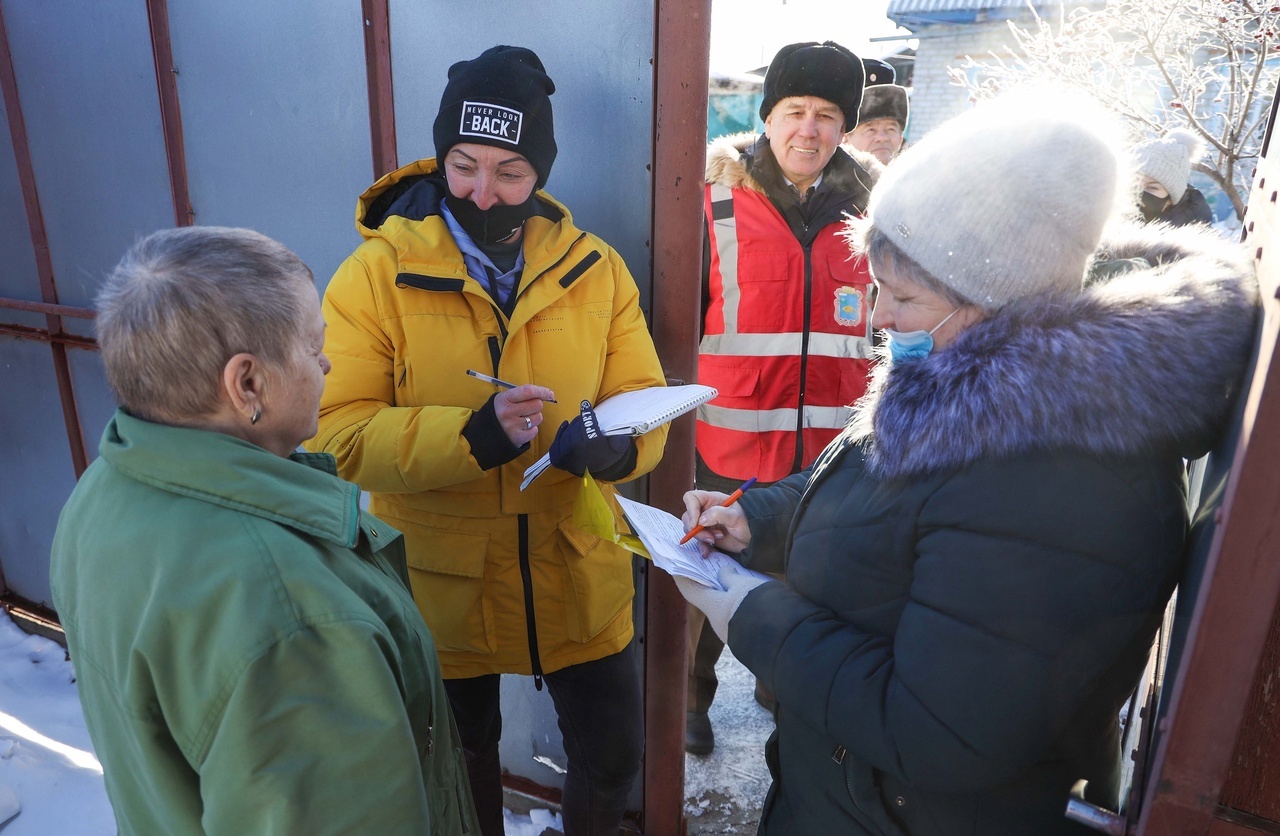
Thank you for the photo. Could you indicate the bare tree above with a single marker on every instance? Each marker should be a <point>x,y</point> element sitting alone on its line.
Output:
<point>1207,65</point>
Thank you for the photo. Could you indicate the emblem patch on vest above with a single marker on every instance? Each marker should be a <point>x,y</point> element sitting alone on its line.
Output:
<point>848,306</point>
<point>491,121</point>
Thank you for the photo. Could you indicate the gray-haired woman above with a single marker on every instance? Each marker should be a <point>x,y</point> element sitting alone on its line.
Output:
<point>248,654</point>
<point>976,567</point>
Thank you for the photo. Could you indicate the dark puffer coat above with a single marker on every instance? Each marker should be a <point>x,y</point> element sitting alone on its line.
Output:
<point>1192,209</point>
<point>976,568</point>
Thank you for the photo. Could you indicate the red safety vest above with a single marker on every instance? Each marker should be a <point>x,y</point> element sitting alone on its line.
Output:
<point>785,340</point>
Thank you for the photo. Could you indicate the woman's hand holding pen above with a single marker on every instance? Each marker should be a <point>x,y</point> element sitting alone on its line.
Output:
<point>519,411</point>
<point>723,528</point>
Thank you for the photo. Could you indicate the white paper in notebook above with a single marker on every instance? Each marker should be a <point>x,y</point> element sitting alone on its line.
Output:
<point>661,532</point>
<point>636,413</point>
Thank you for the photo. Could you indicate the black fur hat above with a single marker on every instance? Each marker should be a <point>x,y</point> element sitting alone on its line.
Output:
<point>885,101</point>
<point>826,70</point>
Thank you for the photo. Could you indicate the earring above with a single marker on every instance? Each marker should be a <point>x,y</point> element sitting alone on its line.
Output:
<point>257,413</point>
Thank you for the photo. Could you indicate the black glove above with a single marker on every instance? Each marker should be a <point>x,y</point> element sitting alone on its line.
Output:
<point>580,445</point>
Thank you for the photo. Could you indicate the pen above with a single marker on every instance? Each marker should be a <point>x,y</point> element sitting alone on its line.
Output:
<point>728,500</point>
<point>496,382</point>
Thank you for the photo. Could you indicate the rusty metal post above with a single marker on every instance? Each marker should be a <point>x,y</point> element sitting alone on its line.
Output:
<point>40,246</point>
<point>681,58</point>
<point>1233,613</point>
<point>170,113</point>
<point>382,110</point>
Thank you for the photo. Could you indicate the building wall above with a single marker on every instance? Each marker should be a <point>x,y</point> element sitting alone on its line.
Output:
<point>935,98</point>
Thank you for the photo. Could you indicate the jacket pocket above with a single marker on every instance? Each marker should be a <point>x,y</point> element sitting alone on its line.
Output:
<point>854,376</point>
<point>401,384</point>
<point>600,573</point>
<point>446,571</point>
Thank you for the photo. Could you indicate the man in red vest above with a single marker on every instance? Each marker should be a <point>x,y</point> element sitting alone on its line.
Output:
<point>785,335</point>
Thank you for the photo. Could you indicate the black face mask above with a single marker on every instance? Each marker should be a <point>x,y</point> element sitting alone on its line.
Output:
<point>493,225</point>
<point>1152,207</point>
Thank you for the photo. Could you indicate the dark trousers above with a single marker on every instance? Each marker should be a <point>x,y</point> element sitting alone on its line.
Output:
<point>704,651</point>
<point>598,709</point>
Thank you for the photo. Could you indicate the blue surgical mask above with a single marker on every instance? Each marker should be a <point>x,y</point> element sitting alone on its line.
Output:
<point>912,345</point>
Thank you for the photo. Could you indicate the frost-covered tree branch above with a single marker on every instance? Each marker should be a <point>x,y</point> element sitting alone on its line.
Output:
<point>1207,65</point>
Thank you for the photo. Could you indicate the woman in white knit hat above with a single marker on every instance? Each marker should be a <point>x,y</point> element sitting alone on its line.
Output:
<point>976,568</point>
<point>1163,166</point>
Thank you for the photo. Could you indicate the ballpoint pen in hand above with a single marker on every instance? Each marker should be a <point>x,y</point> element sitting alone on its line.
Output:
<point>497,382</point>
<point>728,500</point>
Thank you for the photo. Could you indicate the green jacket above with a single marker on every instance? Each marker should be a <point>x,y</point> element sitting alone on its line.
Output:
<point>248,655</point>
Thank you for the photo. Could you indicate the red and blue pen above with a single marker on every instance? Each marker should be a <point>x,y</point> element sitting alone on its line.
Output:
<point>728,500</point>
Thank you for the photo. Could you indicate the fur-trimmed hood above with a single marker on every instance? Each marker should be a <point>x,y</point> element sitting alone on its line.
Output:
<point>1147,362</point>
<point>729,163</point>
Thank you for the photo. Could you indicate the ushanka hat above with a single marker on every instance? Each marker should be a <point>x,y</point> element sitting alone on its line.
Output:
<point>1168,160</point>
<point>826,70</point>
<point>1007,200</point>
<point>501,98</point>
<point>884,101</point>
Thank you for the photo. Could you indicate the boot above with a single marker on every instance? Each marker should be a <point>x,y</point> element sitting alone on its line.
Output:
<point>765,698</point>
<point>698,737</point>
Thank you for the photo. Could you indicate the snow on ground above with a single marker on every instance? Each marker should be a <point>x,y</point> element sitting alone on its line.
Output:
<point>46,757</point>
<point>724,791</point>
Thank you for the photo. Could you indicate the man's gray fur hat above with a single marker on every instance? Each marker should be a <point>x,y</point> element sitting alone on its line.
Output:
<point>1168,160</point>
<point>1007,200</point>
<point>885,101</point>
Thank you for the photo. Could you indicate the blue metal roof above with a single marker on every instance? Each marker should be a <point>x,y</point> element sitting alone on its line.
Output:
<point>918,6</point>
<point>912,13</point>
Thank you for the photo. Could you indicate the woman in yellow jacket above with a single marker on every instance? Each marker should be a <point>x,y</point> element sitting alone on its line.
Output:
<point>466,265</point>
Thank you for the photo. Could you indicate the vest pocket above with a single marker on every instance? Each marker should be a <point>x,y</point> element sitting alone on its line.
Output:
<point>770,285</point>
<point>600,573</point>
<point>728,430</point>
<point>446,572</point>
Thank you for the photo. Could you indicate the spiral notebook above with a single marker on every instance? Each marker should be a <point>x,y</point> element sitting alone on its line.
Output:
<point>636,413</point>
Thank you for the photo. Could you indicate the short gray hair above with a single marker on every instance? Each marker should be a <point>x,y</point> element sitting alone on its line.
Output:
<point>865,238</point>
<point>182,302</point>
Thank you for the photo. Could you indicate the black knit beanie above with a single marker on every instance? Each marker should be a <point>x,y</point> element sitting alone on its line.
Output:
<point>502,98</point>
<point>826,70</point>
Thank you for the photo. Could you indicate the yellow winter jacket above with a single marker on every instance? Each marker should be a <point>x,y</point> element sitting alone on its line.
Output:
<point>502,577</point>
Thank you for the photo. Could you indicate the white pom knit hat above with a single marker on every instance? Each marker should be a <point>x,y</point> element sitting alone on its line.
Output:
<point>1168,160</point>
<point>1007,200</point>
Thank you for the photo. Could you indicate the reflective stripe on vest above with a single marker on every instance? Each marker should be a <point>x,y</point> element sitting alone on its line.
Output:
<point>727,246</point>
<point>774,420</point>
<point>821,344</point>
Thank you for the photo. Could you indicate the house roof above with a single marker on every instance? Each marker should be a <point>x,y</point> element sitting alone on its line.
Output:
<point>911,13</point>
<point>914,6</point>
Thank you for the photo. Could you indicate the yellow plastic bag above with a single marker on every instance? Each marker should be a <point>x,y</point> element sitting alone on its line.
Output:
<point>592,514</point>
